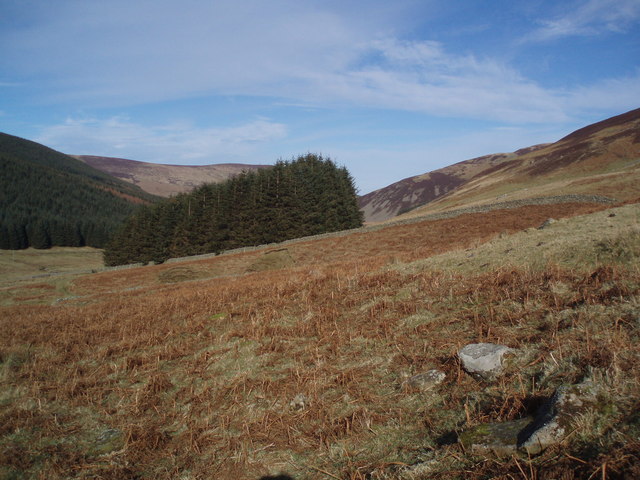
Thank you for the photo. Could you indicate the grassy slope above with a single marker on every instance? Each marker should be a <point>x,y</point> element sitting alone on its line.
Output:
<point>23,265</point>
<point>34,276</point>
<point>188,370</point>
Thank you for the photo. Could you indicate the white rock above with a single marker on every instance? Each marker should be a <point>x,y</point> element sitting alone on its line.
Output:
<point>483,359</point>
<point>299,402</point>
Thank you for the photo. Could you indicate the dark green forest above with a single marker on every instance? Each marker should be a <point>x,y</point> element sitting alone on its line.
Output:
<point>306,196</point>
<point>50,199</point>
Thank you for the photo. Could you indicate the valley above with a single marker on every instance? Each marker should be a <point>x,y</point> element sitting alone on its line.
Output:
<point>339,355</point>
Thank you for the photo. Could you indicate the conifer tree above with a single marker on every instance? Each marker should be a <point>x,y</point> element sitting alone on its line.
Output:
<point>304,196</point>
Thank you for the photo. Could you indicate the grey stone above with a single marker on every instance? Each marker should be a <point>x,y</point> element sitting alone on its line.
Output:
<point>546,223</point>
<point>299,402</point>
<point>426,381</point>
<point>498,439</point>
<point>532,435</point>
<point>483,359</point>
<point>554,418</point>
<point>107,442</point>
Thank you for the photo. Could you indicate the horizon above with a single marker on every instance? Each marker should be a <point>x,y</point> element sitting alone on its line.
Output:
<point>388,91</point>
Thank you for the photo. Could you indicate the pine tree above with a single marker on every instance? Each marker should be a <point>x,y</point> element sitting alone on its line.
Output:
<point>305,196</point>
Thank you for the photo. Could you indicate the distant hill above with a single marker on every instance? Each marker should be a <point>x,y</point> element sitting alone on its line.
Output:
<point>48,198</point>
<point>600,159</point>
<point>165,180</point>
<point>402,196</point>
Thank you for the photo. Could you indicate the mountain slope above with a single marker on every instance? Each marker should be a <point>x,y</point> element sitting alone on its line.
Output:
<point>48,198</point>
<point>406,194</point>
<point>600,159</point>
<point>165,180</point>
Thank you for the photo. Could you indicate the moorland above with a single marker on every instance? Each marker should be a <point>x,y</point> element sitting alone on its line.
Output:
<point>296,359</point>
<point>191,369</point>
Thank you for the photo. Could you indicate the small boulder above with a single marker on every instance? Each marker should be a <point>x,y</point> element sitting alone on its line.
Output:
<point>497,439</point>
<point>107,442</point>
<point>299,402</point>
<point>546,223</point>
<point>483,359</point>
<point>425,381</point>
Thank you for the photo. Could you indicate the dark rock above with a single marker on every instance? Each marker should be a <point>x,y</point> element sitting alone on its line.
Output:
<point>498,439</point>
<point>532,435</point>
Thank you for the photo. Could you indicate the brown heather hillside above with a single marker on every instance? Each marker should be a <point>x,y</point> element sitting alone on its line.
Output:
<point>406,194</point>
<point>165,180</point>
<point>600,159</point>
<point>292,358</point>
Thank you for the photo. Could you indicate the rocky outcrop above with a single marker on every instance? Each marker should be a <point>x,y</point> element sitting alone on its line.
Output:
<point>546,223</point>
<point>553,420</point>
<point>532,435</point>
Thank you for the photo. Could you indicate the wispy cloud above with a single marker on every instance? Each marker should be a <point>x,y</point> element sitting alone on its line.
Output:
<point>423,76</point>
<point>93,55</point>
<point>619,94</point>
<point>123,53</point>
<point>174,143</point>
<point>588,18</point>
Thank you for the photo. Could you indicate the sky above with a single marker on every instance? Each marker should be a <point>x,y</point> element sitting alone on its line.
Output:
<point>389,89</point>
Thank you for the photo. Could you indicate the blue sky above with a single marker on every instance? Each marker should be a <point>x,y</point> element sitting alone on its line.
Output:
<point>389,89</point>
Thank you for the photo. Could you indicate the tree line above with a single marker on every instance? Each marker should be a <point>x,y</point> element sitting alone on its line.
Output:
<point>50,199</point>
<point>42,206</point>
<point>305,196</point>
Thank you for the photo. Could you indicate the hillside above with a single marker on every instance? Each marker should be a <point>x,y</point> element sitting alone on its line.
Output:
<point>165,180</point>
<point>302,358</point>
<point>48,198</point>
<point>600,159</point>
<point>402,196</point>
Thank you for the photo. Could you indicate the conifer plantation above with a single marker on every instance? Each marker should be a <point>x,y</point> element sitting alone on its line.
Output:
<point>306,196</point>
<point>50,199</point>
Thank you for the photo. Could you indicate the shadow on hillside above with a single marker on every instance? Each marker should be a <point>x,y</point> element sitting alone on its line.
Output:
<point>282,476</point>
